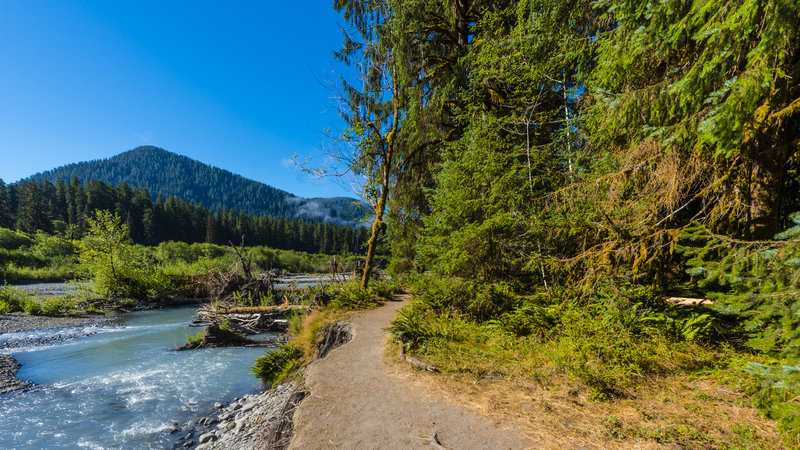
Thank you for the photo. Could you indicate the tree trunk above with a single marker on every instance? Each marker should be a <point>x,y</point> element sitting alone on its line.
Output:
<point>767,176</point>
<point>377,227</point>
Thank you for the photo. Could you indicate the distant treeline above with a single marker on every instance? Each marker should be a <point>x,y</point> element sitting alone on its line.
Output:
<point>169,174</point>
<point>63,208</point>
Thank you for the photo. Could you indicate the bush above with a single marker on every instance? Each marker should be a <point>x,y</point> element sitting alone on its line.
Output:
<point>53,246</point>
<point>12,240</point>
<point>606,341</point>
<point>350,296</point>
<point>478,301</point>
<point>12,300</point>
<point>58,305</point>
<point>274,366</point>
<point>118,268</point>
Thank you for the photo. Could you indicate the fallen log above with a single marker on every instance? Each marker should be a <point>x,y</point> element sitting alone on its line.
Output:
<point>282,309</point>
<point>418,363</point>
<point>688,301</point>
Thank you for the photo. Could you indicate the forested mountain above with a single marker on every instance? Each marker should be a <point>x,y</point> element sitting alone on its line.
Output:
<point>172,175</point>
<point>64,208</point>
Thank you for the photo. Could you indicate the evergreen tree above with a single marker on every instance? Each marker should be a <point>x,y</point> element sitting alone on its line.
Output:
<point>5,213</point>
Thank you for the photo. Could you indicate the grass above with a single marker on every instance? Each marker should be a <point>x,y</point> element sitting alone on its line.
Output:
<point>276,365</point>
<point>523,390</point>
<point>618,367</point>
<point>13,300</point>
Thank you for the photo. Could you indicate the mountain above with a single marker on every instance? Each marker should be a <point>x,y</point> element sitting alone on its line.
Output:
<point>170,174</point>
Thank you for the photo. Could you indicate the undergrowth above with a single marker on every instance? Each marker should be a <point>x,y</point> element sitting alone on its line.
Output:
<point>13,300</point>
<point>277,364</point>
<point>606,342</point>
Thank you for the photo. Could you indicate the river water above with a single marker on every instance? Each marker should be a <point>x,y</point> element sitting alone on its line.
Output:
<point>120,387</point>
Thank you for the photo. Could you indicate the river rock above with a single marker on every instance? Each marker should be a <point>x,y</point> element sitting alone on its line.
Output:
<point>207,437</point>
<point>248,407</point>
<point>188,444</point>
<point>218,405</point>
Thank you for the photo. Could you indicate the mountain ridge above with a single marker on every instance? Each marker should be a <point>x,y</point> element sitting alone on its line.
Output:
<point>170,174</point>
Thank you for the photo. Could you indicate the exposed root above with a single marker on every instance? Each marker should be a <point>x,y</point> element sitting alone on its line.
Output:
<point>279,433</point>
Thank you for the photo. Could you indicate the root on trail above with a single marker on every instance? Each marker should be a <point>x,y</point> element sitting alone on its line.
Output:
<point>279,434</point>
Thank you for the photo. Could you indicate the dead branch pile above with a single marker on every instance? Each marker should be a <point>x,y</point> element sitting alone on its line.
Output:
<point>224,286</point>
<point>250,320</point>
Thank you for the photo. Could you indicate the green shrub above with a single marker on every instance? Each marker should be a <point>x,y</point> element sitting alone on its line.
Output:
<point>775,391</point>
<point>277,364</point>
<point>118,268</point>
<point>12,240</point>
<point>32,307</point>
<point>58,305</point>
<point>47,246</point>
<point>13,300</point>
<point>194,340</point>
<point>350,296</point>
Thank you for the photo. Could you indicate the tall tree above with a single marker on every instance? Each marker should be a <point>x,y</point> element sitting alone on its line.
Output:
<point>372,108</point>
<point>5,212</point>
<point>710,85</point>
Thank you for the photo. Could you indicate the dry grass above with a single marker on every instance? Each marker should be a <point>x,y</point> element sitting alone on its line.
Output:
<point>672,411</point>
<point>307,336</point>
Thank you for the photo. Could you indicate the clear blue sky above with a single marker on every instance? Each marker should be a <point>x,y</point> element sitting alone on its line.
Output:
<point>239,85</point>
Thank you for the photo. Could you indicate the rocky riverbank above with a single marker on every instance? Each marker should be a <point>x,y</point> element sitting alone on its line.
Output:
<point>261,420</point>
<point>16,322</point>
<point>8,380</point>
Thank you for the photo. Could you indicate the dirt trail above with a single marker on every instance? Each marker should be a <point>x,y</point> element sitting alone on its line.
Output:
<point>357,402</point>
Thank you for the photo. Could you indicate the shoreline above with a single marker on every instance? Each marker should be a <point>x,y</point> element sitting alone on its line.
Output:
<point>257,420</point>
<point>8,379</point>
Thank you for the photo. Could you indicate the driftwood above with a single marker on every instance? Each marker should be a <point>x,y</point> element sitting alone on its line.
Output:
<point>278,434</point>
<point>687,301</point>
<point>252,319</point>
<point>418,363</point>
<point>278,309</point>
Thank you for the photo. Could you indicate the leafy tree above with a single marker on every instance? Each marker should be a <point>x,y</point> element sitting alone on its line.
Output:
<point>373,111</point>
<point>107,254</point>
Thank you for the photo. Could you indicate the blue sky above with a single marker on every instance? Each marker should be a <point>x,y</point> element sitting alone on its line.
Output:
<point>240,85</point>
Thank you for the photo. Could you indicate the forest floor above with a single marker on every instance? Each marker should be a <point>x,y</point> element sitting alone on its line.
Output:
<point>360,399</point>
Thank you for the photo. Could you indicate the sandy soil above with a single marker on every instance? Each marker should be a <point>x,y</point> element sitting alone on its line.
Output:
<point>357,401</point>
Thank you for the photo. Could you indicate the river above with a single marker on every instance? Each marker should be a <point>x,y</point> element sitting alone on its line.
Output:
<point>121,387</point>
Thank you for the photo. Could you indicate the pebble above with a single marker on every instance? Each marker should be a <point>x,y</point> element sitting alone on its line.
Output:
<point>207,437</point>
<point>248,407</point>
<point>218,405</point>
